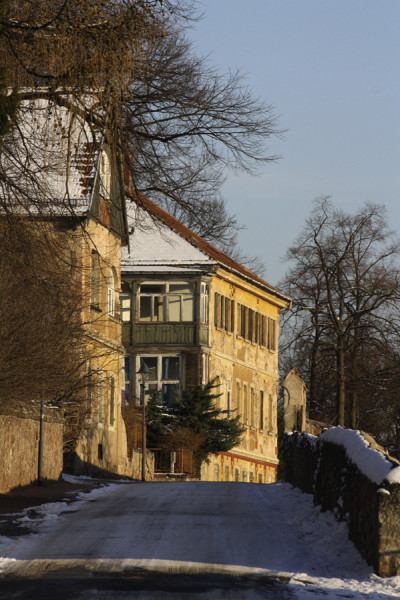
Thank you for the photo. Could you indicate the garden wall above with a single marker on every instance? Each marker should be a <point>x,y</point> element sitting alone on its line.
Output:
<point>19,449</point>
<point>358,483</point>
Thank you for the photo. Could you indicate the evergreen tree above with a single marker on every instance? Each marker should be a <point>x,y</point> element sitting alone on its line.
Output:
<point>195,410</point>
<point>155,424</point>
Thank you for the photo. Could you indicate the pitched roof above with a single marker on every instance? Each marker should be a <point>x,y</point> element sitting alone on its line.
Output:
<point>210,253</point>
<point>56,157</point>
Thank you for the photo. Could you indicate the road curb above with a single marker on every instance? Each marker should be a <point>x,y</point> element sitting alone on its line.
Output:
<point>77,568</point>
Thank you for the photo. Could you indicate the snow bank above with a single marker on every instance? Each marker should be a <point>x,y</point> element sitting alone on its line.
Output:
<point>370,462</point>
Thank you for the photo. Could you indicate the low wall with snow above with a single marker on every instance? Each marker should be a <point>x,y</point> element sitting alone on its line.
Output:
<point>19,449</point>
<point>357,482</point>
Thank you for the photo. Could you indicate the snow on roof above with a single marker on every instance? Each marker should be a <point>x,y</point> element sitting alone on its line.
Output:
<point>371,462</point>
<point>57,153</point>
<point>157,245</point>
<point>188,245</point>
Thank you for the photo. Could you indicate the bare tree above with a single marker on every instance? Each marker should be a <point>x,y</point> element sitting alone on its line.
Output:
<point>40,353</point>
<point>344,283</point>
<point>44,348</point>
<point>127,68</point>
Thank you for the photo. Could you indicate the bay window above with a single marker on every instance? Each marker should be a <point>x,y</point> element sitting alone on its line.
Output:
<point>170,301</point>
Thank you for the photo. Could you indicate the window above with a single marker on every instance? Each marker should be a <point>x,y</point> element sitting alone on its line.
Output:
<point>262,330</point>
<point>112,401</point>
<point>237,400</point>
<point>204,302</point>
<point>243,322</point>
<point>216,472</point>
<point>236,474</point>
<point>255,327</point>
<point>73,262</point>
<point>127,372</point>
<point>252,408</point>
<point>224,313</point>
<point>166,302</point>
<point>95,287</point>
<point>271,334</point>
<point>204,369</point>
<point>89,394</point>
<point>104,175</point>
<point>112,283</point>
<point>261,410</point>
<point>226,473</point>
<point>164,377</point>
<point>270,414</point>
<point>260,477</point>
<point>244,476</point>
<point>125,307</point>
<point>100,400</point>
<point>251,477</point>
<point>228,397</point>
<point>245,407</point>
<point>250,333</point>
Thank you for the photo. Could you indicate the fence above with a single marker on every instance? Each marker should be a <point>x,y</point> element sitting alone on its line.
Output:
<point>173,462</point>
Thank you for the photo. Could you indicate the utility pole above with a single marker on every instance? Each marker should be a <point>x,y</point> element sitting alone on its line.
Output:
<point>143,371</point>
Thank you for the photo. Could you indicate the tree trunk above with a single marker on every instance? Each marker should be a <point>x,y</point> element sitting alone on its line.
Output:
<point>341,382</point>
<point>354,410</point>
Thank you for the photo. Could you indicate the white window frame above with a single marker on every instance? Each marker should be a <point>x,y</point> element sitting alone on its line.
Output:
<point>111,293</point>
<point>159,382</point>
<point>204,303</point>
<point>204,369</point>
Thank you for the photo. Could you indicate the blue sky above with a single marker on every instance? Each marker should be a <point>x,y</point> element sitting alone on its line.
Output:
<point>331,69</point>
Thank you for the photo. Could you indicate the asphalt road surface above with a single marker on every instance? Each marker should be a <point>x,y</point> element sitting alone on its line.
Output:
<point>154,540</point>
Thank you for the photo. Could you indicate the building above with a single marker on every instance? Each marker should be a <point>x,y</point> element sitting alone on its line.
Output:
<point>78,192</point>
<point>193,314</point>
<point>295,406</point>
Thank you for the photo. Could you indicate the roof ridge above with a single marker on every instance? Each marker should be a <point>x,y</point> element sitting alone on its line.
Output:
<point>196,240</point>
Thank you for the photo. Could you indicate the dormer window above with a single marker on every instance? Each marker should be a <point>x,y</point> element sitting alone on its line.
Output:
<point>104,175</point>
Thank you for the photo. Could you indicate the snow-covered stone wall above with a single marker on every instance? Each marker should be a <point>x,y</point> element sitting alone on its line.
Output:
<point>347,474</point>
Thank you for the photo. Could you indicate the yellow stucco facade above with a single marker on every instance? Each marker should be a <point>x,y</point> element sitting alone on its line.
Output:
<point>243,356</point>
<point>194,315</point>
<point>98,253</point>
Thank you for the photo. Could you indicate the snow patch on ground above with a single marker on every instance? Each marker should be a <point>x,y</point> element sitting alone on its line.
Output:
<point>40,520</point>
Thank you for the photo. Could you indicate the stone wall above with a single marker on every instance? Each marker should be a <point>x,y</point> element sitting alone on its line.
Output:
<point>19,449</point>
<point>370,508</point>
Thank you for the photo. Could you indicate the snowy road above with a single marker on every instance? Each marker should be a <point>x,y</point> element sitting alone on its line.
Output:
<point>234,540</point>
